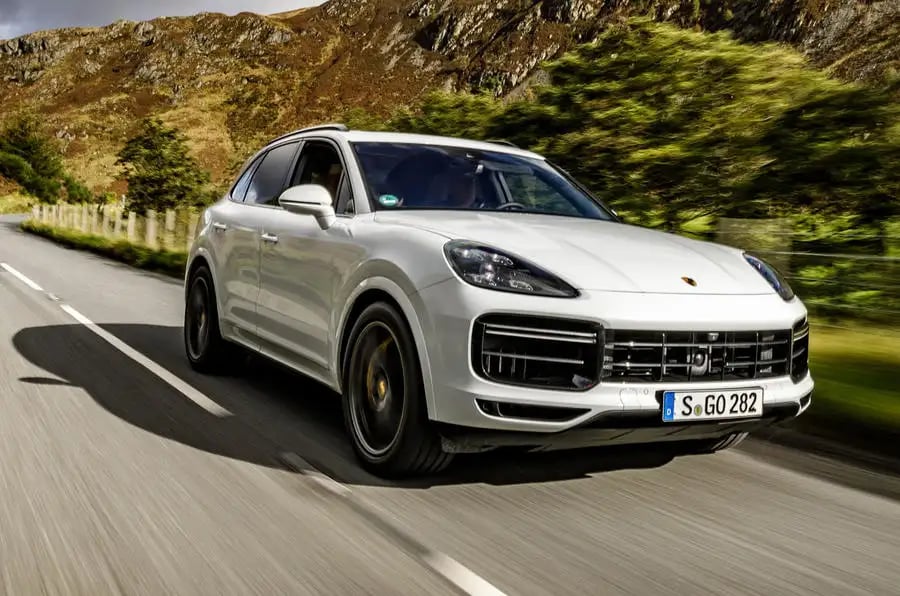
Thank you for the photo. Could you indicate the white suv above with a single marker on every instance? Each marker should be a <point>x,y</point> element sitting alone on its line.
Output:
<point>463,295</point>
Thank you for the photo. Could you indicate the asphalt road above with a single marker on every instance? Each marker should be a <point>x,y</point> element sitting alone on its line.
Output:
<point>121,471</point>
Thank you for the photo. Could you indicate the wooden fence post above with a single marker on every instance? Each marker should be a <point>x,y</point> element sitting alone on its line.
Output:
<point>117,225</point>
<point>95,219</point>
<point>150,238</point>
<point>169,233</point>
<point>104,221</point>
<point>132,226</point>
<point>193,220</point>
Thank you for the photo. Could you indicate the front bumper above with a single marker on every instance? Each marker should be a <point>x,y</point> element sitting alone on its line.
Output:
<point>447,312</point>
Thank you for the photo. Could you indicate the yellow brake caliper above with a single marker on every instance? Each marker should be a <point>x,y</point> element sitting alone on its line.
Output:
<point>377,391</point>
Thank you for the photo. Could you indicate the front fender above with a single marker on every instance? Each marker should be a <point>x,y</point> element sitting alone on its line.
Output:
<point>395,289</point>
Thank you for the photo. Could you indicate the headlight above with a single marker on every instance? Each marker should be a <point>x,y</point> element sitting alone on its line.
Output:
<point>490,268</point>
<point>775,279</point>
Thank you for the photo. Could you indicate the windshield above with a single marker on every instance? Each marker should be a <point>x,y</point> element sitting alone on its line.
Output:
<point>416,176</point>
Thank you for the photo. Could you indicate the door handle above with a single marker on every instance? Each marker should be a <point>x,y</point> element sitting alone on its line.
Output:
<point>270,238</point>
<point>219,227</point>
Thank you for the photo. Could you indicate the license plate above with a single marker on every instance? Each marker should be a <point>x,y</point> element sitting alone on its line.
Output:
<point>681,406</point>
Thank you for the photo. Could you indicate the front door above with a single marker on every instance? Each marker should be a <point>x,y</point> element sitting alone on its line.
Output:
<point>302,265</point>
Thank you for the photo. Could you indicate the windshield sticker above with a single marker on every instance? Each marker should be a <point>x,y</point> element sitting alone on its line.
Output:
<point>388,200</point>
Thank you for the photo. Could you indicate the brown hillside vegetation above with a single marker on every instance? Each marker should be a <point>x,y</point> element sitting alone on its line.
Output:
<point>231,82</point>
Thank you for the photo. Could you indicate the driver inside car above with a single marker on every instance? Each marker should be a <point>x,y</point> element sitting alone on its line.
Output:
<point>458,187</point>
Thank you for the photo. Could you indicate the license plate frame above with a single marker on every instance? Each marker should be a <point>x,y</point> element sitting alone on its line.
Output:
<point>714,405</point>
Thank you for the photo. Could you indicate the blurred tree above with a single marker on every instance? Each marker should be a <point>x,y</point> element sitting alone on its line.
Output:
<point>671,125</point>
<point>31,158</point>
<point>161,173</point>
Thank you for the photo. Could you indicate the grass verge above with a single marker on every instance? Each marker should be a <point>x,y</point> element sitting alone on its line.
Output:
<point>15,203</point>
<point>160,260</point>
<point>857,394</point>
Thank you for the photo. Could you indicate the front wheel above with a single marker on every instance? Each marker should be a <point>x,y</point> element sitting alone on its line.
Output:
<point>384,398</point>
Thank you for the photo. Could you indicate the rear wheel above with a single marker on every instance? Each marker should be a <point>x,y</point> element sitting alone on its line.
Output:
<point>206,349</point>
<point>384,398</point>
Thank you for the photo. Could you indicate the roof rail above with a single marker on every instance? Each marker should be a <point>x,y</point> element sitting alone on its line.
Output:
<point>335,126</point>
<point>502,142</point>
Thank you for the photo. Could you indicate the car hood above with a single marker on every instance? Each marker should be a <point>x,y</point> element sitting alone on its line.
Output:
<point>597,255</point>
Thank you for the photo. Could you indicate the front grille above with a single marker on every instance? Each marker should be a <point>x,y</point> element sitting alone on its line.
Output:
<point>684,356</point>
<point>800,351</point>
<point>536,351</point>
<point>552,353</point>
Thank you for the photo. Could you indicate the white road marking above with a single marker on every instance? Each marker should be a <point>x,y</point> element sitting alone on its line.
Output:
<point>460,575</point>
<point>447,567</point>
<point>176,383</point>
<point>304,467</point>
<point>22,278</point>
<point>450,569</point>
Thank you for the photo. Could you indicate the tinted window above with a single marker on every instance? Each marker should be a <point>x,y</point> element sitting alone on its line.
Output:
<point>416,176</point>
<point>268,180</point>
<point>240,189</point>
<point>320,164</point>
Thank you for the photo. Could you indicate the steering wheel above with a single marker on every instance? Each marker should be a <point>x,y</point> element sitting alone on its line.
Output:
<point>512,205</point>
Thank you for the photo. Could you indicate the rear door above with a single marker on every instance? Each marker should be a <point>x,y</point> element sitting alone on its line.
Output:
<point>237,230</point>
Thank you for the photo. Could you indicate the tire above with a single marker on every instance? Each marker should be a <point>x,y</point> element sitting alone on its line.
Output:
<point>384,398</point>
<point>206,349</point>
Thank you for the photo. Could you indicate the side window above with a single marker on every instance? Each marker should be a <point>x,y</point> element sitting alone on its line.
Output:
<point>268,181</point>
<point>240,188</point>
<point>321,164</point>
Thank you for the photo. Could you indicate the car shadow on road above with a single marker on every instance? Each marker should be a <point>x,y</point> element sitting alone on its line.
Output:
<point>274,411</point>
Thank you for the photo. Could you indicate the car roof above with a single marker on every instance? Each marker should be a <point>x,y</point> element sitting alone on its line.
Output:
<point>365,136</point>
<point>362,136</point>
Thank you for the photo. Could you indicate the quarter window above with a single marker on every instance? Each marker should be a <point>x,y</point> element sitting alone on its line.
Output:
<point>268,181</point>
<point>240,188</point>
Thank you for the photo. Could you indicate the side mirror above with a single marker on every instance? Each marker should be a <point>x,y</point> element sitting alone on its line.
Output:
<point>310,199</point>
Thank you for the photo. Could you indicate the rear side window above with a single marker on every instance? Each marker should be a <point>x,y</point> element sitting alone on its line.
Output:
<point>268,180</point>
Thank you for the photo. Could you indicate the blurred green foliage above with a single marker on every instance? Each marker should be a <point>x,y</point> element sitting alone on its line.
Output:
<point>672,127</point>
<point>161,173</point>
<point>31,158</point>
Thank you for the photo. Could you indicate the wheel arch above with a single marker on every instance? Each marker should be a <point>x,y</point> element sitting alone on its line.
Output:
<point>381,289</point>
<point>202,258</point>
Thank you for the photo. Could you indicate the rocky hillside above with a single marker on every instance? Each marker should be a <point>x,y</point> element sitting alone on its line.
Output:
<point>230,82</point>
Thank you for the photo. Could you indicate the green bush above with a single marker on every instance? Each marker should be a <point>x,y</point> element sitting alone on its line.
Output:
<point>76,192</point>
